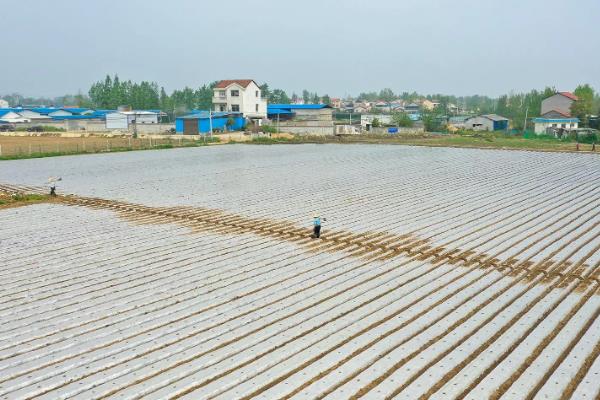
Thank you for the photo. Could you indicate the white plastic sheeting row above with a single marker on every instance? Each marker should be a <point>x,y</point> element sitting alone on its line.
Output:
<point>93,306</point>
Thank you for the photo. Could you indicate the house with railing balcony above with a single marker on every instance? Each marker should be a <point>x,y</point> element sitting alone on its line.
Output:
<point>240,95</point>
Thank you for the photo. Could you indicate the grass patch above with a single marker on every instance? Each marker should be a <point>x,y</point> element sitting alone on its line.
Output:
<point>40,128</point>
<point>21,199</point>
<point>491,140</point>
<point>269,140</point>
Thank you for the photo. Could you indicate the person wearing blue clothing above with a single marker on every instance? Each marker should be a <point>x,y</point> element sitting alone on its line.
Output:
<point>317,226</point>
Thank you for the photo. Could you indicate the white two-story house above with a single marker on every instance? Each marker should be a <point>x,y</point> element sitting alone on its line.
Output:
<point>240,95</point>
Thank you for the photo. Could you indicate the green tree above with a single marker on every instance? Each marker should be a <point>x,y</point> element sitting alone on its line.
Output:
<point>387,95</point>
<point>306,96</point>
<point>375,123</point>
<point>100,93</point>
<point>368,96</point>
<point>165,101</point>
<point>80,100</point>
<point>315,98</point>
<point>402,120</point>
<point>183,100</point>
<point>203,96</point>
<point>326,99</point>
<point>265,91</point>
<point>279,96</point>
<point>431,120</point>
<point>118,93</point>
<point>584,106</point>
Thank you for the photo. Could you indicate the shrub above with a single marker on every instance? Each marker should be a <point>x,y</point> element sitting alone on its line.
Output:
<point>268,129</point>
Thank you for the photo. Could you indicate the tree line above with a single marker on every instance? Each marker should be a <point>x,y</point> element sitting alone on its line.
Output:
<point>113,92</point>
<point>514,106</point>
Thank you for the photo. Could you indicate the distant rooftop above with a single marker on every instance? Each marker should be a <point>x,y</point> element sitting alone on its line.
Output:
<point>494,117</point>
<point>242,82</point>
<point>569,95</point>
<point>298,106</point>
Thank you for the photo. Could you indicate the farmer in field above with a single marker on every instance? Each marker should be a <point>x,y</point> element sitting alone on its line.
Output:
<point>52,184</point>
<point>317,226</point>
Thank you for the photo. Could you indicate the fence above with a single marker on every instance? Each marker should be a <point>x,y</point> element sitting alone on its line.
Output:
<point>83,126</point>
<point>36,146</point>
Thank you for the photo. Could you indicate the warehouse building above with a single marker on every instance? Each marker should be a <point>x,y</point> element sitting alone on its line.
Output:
<point>487,122</point>
<point>126,119</point>
<point>70,111</point>
<point>302,119</point>
<point>300,112</point>
<point>7,116</point>
<point>201,122</point>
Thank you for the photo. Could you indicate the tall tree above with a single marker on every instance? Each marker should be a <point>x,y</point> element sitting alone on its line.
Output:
<point>265,91</point>
<point>402,120</point>
<point>387,95</point>
<point>584,106</point>
<point>278,96</point>
<point>368,96</point>
<point>306,96</point>
<point>326,99</point>
<point>203,96</point>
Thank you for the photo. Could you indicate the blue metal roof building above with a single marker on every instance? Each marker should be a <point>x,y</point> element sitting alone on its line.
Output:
<point>555,120</point>
<point>199,122</point>
<point>76,116</point>
<point>298,106</point>
<point>288,111</point>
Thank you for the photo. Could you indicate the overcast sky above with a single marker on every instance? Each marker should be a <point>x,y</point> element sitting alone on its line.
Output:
<point>336,47</point>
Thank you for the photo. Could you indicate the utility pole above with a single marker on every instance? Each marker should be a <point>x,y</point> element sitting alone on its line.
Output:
<point>210,122</point>
<point>525,122</point>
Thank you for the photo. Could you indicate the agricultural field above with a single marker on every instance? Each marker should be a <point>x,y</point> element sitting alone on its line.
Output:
<point>189,273</point>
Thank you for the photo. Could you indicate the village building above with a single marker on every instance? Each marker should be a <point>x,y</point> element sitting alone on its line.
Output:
<point>315,119</point>
<point>487,122</point>
<point>366,120</point>
<point>554,123</point>
<point>202,122</point>
<point>301,112</point>
<point>382,106</point>
<point>8,116</point>
<point>453,108</point>
<point>69,111</point>
<point>412,108</point>
<point>430,105</point>
<point>4,104</point>
<point>556,118</point>
<point>456,123</point>
<point>336,103</point>
<point>35,114</point>
<point>240,96</point>
<point>560,102</point>
<point>124,120</point>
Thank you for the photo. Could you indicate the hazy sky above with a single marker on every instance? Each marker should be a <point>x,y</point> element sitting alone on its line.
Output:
<point>336,47</point>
